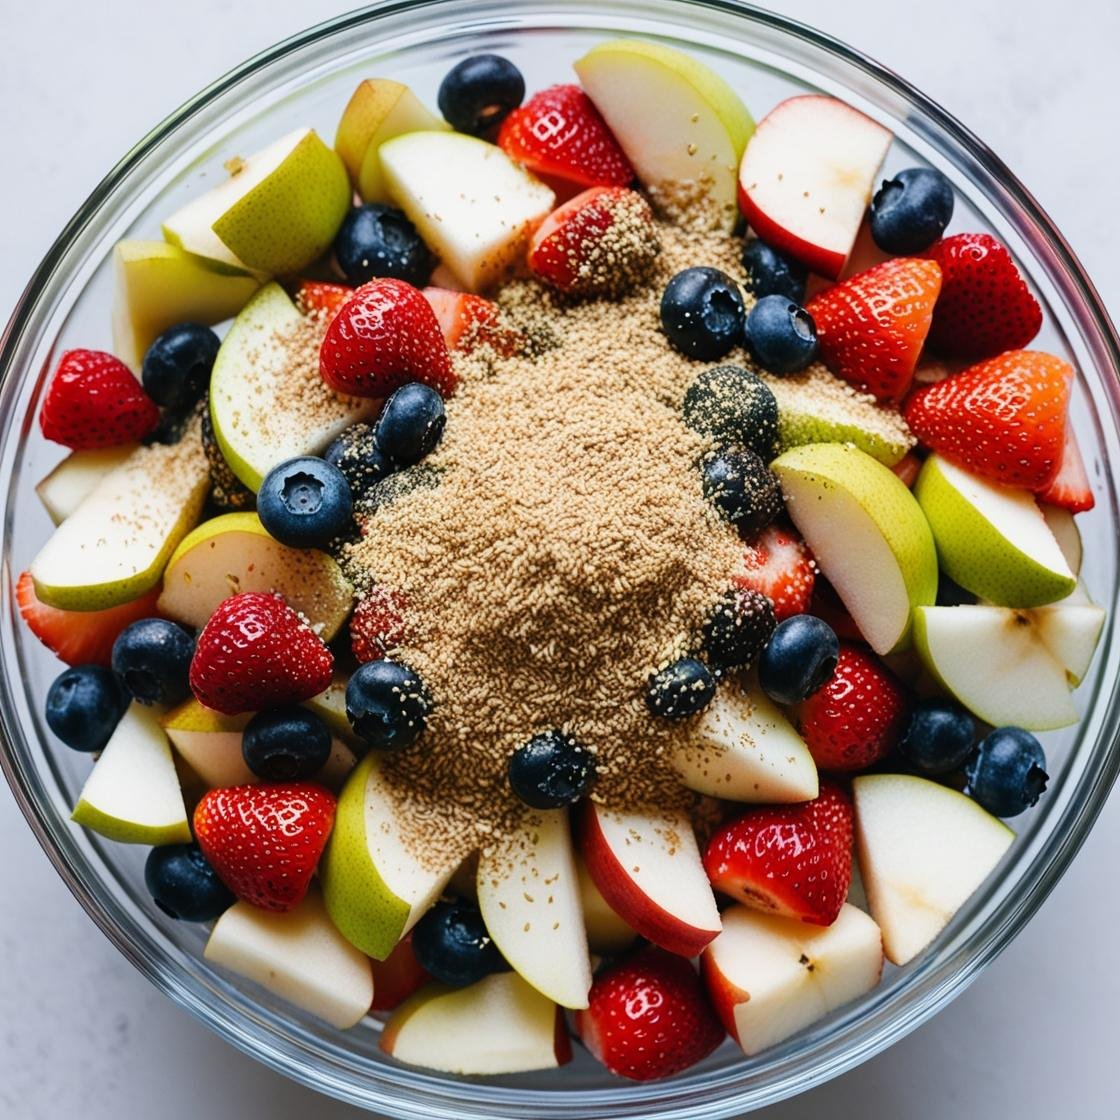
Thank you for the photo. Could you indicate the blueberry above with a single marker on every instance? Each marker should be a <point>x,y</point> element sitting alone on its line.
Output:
<point>453,946</point>
<point>362,462</point>
<point>680,689</point>
<point>739,627</point>
<point>176,367</point>
<point>285,744</point>
<point>1007,771</point>
<point>735,407</point>
<point>377,240</point>
<point>769,273</point>
<point>305,502</point>
<point>152,659</point>
<point>799,658</point>
<point>939,737</point>
<point>479,92</point>
<point>702,312</point>
<point>227,491</point>
<point>910,212</point>
<point>781,335</point>
<point>183,885</point>
<point>551,770</point>
<point>84,706</point>
<point>386,704</point>
<point>742,488</point>
<point>411,424</point>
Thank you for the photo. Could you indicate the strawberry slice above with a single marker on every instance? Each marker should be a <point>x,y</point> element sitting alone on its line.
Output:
<point>80,637</point>
<point>794,860</point>
<point>1004,418</point>
<point>94,401</point>
<point>778,563</point>
<point>397,976</point>
<point>264,841</point>
<point>985,306</point>
<point>559,134</point>
<point>648,1016</point>
<point>377,625</point>
<point>872,327</point>
<point>320,296</point>
<point>1070,487</point>
<point>468,321</point>
<point>384,335</point>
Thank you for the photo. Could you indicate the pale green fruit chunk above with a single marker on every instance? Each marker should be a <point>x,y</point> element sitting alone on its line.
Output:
<point>607,933</point>
<point>992,540</point>
<point>681,125</point>
<point>868,535</point>
<point>1070,631</point>
<point>132,794</point>
<point>330,707</point>
<point>923,850</point>
<point>298,955</point>
<point>75,478</point>
<point>1064,527</point>
<point>234,553</point>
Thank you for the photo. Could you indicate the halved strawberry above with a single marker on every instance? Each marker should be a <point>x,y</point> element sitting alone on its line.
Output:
<point>1070,487</point>
<point>80,637</point>
<point>377,624</point>
<point>468,321</point>
<point>778,563</point>
<point>397,976</point>
<point>1004,418</point>
<point>321,296</point>
<point>985,306</point>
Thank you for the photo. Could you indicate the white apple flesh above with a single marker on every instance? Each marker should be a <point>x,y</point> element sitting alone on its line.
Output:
<point>76,477</point>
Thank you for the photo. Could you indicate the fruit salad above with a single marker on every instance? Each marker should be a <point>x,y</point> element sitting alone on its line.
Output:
<point>541,571</point>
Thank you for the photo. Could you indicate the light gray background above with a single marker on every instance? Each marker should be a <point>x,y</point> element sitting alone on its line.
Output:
<point>84,1035</point>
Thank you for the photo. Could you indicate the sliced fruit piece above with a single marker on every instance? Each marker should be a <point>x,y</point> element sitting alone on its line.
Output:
<point>209,742</point>
<point>233,553</point>
<point>923,850</point>
<point>807,177</point>
<point>1070,631</point>
<point>1066,533</point>
<point>397,977</point>
<point>868,534</point>
<point>1070,488</point>
<point>477,221</point>
<point>321,297</point>
<point>687,152</point>
<point>133,794</point>
<point>499,1025</point>
<point>778,564</point>
<point>298,956</point>
<point>330,707</point>
<point>277,212</point>
<point>468,321</point>
<point>648,868</point>
<point>77,476</point>
<point>607,933</point>
<point>769,977</point>
<point>529,896</point>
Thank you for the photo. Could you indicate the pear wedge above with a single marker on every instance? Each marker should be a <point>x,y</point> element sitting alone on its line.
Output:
<point>75,478</point>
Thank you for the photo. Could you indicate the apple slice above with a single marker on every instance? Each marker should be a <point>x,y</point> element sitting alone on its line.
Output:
<point>607,933</point>
<point>115,545</point>
<point>648,868</point>
<point>991,539</point>
<point>868,535</point>
<point>478,220</point>
<point>807,177</point>
<point>769,977</point>
<point>529,896</point>
<point>376,886</point>
<point>1063,525</point>
<point>744,749</point>
<point>133,795</point>
<point>923,849</point>
<point>298,955</point>
<point>77,476</point>
<point>682,127</point>
<point>233,553</point>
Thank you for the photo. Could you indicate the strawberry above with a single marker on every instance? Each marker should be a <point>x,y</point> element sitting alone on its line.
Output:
<point>397,976</point>
<point>829,607</point>
<point>559,134</point>
<point>94,401</point>
<point>778,564</point>
<point>857,716</point>
<point>80,637</point>
<point>871,327</point>
<point>264,841</point>
<point>985,306</point>
<point>383,336</point>
<point>377,624</point>
<point>597,243</point>
<point>319,296</point>
<point>1005,418</point>
<point>256,652</point>
<point>1070,487</point>
<point>794,860</point>
<point>468,321</point>
<point>648,1016</point>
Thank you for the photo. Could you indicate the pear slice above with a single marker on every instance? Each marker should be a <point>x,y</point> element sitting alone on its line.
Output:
<point>277,212</point>
<point>115,545</point>
<point>77,476</point>
<point>330,707</point>
<point>233,553</point>
<point>267,400</point>
<point>297,955</point>
<point>923,850</point>
<point>1064,527</point>
<point>1070,631</point>
<point>607,933</point>
<point>133,795</point>
<point>868,535</point>
<point>680,124</point>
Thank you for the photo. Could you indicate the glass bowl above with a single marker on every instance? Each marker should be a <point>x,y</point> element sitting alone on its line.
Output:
<point>307,80</point>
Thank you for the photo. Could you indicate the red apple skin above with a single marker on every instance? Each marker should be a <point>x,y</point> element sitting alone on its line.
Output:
<point>817,259</point>
<point>723,995</point>
<point>397,977</point>
<point>652,921</point>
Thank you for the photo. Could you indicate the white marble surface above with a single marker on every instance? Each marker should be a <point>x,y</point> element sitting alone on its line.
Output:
<point>83,1034</point>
